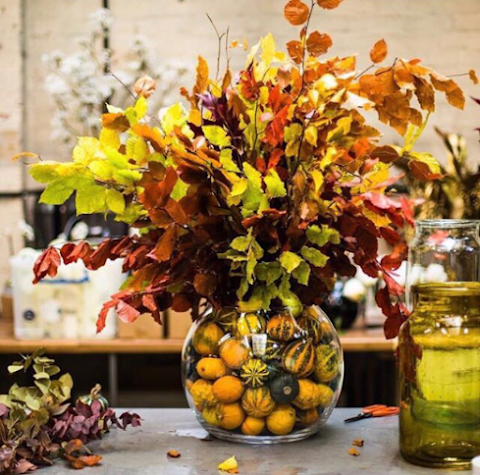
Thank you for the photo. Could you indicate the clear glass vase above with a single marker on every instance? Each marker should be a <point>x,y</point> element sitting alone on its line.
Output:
<point>439,347</point>
<point>262,377</point>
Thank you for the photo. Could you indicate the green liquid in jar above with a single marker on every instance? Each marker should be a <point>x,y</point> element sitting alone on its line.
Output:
<point>440,416</point>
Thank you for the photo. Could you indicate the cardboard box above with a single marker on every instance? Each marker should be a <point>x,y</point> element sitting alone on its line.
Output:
<point>178,324</point>
<point>144,327</point>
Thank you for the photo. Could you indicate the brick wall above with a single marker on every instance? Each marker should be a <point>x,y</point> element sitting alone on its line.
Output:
<point>443,32</point>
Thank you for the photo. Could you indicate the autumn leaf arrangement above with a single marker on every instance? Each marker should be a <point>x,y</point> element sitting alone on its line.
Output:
<point>265,190</point>
<point>39,424</point>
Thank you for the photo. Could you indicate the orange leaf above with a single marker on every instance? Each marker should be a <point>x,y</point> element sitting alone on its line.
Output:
<point>296,12</point>
<point>205,284</point>
<point>473,76</point>
<point>454,94</point>
<point>83,461</point>
<point>318,43</point>
<point>353,452</point>
<point>73,445</point>
<point>425,94</point>
<point>115,121</point>
<point>173,454</point>
<point>295,50</point>
<point>329,4</point>
<point>201,82</point>
<point>358,442</point>
<point>379,51</point>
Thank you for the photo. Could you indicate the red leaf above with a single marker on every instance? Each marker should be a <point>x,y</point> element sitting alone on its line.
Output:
<point>166,244</point>
<point>329,4</point>
<point>103,252</point>
<point>181,303</point>
<point>126,312</point>
<point>275,129</point>
<point>394,260</point>
<point>72,252</point>
<point>390,235</point>
<point>421,171</point>
<point>295,50</point>
<point>102,316</point>
<point>46,264</point>
<point>407,210</point>
<point>275,157</point>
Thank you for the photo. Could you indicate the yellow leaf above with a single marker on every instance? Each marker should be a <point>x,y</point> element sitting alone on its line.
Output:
<point>268,49</point>
<point>110,138</point>
<point>24,155</point>
<point>311,135</point>
<point>229,464</point>
<point>318,179</point>
<point>86,149</point>
<point>378,220</point>
<point>195,117</point>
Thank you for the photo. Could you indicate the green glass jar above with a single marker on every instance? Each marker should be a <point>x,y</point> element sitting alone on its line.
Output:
<point>439,347</point>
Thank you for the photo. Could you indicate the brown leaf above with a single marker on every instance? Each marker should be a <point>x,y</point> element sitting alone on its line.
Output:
<point>421,171</point>
<point>329,4</point>
<point>358,442</point>
<point>205,284</point>
<point>296,12</point>
<point>385,154</point>
<point>318,43</point>
<point>201,81</point>
<point>379,51</point>
<point>425,94</point>
<point>453,92</point>
<point>295,50</point>
<point>354,452</point>
<point>166,244</point>
<point>126,312</point>
<point>473,76</point>
<point>46,264</point>
<point>115,121</point>
<point>174,454</point>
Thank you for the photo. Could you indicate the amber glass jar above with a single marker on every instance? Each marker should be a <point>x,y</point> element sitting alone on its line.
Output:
<point>439,347</point>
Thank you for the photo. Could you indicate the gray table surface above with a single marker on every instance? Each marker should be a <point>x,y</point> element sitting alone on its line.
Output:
<point>143,450</point>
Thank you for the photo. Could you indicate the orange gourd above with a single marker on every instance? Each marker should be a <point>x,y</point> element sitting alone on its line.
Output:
<point>205,340</point>
<point>253,425</point>
<point>282,420</point>
<point>234,353</point>
<point>228,389</point>
<point>282,327</point>
<point>230,416</point>
<point>211,368</point>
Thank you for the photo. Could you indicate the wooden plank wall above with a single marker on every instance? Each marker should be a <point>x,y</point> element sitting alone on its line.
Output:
<point>444,32</point>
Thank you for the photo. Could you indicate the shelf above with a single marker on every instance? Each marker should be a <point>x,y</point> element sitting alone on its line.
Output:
<point>352,341</point>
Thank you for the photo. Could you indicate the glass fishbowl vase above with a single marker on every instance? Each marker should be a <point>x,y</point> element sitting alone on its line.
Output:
<point>262,377</point>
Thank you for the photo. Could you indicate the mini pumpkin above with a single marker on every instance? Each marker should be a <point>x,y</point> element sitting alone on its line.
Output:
<point>311,325</point>
<point>308,395</point>
<point>284,388</point>
<point>211,368</point>
<point>230,416</point>
<point>258,402</point>
<point>282,327</point>
<point>308,417</point>
<point>205,340</point>
<point>95,395</point>
<point>327,363</point>
<point>254,372</point>
<point>234,352</point>
<point>202,394</point>
<point>299,358</point>
<point>227,319</point>
<point>210,416</point>
<point>250,323</point>
<point>273,350</point>
<point>253,425</point>
<point>282,420</point>
<point>324,395</point>
<point>228,389</point>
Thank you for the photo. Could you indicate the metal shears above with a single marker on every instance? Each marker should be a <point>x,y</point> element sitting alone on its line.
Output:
<point>375,410</point>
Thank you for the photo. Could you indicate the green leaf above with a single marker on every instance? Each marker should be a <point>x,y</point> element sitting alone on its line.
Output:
<point>275,186</point>
<point>288,298</point>
<point>115,201</point>
<point>302,273</point>
<point>250,269</point>
<point>13,368</point>
<point>57,192</point>
<point>180,190</point>
<point>91,199</point>
<point>44,172</point>
<point>241,243</point>
<point>268,272</point>
<point>253,175</point>
<point>216,135</point>
<point>242,289</point>
<point>290,261</point>
<point>227,161</point>
<point>320,236</point>
<point>314,256</point>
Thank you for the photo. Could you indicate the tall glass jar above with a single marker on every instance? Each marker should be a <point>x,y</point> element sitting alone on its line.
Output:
<point>263,376</point>
<point>439,347</point>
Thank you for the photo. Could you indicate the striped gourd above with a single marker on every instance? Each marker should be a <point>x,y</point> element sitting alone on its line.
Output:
<point>299,358</point>
<point>311,326</point>
<point>254,372</point>
<point>282,327</point>
<point>258,402</point>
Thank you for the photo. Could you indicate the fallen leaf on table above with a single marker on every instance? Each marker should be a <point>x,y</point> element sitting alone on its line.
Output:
<point>73,445</point>
<point>353,452</point>
<point>358,442</point>
<point>173,454</point>
<point>230,465</point>
<point>83,461</point>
